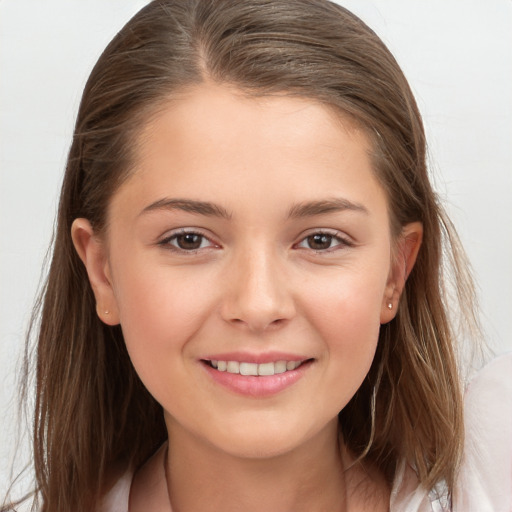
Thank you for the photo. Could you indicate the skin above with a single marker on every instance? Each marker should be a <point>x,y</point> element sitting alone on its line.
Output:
<point>257,283</point>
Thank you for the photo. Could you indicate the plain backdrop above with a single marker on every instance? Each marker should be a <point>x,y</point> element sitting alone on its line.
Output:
<point>457,56</point>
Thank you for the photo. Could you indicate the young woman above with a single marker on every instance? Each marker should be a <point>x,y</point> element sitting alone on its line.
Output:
<point>245,308</point>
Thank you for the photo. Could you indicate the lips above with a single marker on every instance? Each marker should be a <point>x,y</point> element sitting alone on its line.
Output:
<point>256,376</point>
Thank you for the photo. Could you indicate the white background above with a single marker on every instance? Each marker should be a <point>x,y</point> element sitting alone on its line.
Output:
<point>456,54</point>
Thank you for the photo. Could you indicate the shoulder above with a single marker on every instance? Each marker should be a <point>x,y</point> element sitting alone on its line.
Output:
<point>495,373</point>
<point>485,479</point>
<point>408,495</point>
<point>144,489</point>
<point>118,497</point>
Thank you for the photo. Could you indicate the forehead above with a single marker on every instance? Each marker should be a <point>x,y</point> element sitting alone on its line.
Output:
<point>209,109</point>
<point>221,141</point>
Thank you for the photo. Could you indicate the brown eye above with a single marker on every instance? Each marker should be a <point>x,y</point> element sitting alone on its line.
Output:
<point>319,241</point>
<point>187,241</point>
<point>324,242</point>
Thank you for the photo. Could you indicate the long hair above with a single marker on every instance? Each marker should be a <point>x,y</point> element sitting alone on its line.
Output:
<point>92,412</point>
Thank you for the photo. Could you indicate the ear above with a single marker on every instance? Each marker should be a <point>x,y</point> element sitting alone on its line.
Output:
<point>92,252</point>
<point>406,252</point>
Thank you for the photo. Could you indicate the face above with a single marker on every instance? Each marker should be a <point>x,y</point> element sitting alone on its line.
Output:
<point>248,261</point>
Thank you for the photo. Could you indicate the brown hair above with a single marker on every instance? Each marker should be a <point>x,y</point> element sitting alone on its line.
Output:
<point>92,411</point>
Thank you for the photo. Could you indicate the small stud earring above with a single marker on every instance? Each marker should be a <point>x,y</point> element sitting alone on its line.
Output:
<point>390,305</point>
<point>107,312</point>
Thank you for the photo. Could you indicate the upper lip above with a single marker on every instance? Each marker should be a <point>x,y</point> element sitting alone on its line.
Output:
<point>246,357</point>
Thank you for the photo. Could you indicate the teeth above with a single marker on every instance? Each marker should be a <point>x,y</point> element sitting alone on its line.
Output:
<point>263,369</point>
<point>233,367</point>
<point>280,366</point>
<point>266,369</point>
<point>291,365</point>
<point>248,369</point>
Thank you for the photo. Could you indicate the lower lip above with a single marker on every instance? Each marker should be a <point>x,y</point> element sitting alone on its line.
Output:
<point>261,386</point>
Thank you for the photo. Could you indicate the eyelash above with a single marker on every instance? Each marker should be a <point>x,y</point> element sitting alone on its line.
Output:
<point>332,236</point>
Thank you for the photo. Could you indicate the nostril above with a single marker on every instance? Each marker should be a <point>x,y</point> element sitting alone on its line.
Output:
<point>277,323</point>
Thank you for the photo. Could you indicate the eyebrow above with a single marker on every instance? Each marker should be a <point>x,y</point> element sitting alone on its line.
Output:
<point>312,208</point>
<point>188,205</point>
<point>305,209</point>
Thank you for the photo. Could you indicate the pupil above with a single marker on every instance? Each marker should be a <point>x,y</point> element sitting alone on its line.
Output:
<point>189,241</point>
<point>319,241</point>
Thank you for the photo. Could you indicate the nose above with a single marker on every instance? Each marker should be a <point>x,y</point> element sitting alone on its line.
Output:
<point>258,295</point>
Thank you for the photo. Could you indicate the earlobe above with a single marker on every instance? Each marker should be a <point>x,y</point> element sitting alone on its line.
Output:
<point>406,253</point>
<point>92,252</point>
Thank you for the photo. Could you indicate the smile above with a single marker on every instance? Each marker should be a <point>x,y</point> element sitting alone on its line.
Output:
<point>257,379</point>
<point>254,369</point>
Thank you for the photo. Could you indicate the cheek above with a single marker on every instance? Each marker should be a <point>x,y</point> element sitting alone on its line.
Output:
<point>160,311</point>
<point>346,314</point>
<point>349,301</point>
<point>154,297</point>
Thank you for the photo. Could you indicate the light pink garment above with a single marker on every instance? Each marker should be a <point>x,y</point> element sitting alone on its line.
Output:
<point>485,481</point>
<point>118,497</point>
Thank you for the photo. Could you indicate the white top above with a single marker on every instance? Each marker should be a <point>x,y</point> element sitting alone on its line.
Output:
<point>485,479</point>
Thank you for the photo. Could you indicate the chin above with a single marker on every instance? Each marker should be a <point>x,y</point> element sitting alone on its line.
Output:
<point>259,449</point>
<point>262,440</point>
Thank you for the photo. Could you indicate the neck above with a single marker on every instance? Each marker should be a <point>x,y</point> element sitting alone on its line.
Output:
<point>318,477</point>
<point>203,478</point>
